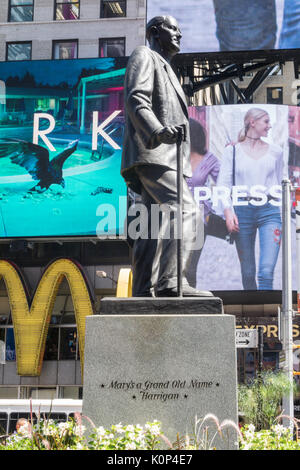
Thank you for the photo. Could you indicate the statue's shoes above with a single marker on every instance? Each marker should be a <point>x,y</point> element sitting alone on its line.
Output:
<point>187,291</point>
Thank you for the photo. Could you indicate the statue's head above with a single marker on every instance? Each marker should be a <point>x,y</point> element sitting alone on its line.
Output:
<point>165,31</point>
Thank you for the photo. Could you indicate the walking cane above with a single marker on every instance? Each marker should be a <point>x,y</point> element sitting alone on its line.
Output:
<point>181,138</point>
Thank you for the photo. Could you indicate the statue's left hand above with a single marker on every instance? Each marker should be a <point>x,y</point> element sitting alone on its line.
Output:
<point>168,134</point>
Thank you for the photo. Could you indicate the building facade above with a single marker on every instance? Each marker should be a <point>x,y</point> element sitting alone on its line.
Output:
<point>60,29</point>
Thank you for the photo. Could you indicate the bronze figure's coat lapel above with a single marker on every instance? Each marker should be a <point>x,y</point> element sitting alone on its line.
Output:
<point>175,82</point>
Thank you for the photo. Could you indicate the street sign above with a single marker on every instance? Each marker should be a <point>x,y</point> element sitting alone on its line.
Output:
<point>245,338</point>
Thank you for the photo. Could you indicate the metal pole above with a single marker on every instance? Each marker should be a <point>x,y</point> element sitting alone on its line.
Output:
<point>287,301</point>
<point>298,246</point>
<point>181,138</point>
<point>259,370</point>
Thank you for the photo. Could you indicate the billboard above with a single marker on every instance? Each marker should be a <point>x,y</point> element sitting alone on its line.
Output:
<point>61,131</point>
<point>239,156</point>
<point>233,25</point>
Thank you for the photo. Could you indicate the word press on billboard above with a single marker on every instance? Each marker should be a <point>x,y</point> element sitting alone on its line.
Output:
<point>240,154</point>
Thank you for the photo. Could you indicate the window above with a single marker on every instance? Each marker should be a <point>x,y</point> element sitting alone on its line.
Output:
<point>10,352</point>
<point>18,51</point>
<point>274,95</point>
<point>112,47</point>
<point>65,49</point>
<point>68,343</point>
<point>3,423</point>
<point>51,349</point>
<point>20,10</point>
<point>113,9</point>
<point>66,10</point>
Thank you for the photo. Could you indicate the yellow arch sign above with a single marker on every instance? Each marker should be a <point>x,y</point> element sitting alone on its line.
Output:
<point>124,286</point>
<point>31,323</point>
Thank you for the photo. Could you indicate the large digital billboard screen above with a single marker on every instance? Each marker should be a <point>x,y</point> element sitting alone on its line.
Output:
<point>61,131</point>
<point>233,25</point>
<point>239,156</point>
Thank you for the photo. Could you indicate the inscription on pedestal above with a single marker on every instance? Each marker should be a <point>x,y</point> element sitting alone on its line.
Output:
<point>170,368</point>
<point>169,390</point>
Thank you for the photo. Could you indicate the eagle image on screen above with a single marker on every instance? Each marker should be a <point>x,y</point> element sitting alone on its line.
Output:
<point>53,177</point>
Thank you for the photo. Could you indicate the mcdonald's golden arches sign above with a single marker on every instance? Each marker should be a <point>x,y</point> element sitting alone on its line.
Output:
<point>31,319</point>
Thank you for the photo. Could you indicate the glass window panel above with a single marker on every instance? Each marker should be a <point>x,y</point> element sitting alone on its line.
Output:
<point>21,2</point>
<point>67,11</point>
<point>274,95</point>
<point>112,47</point>
<point>19,51</point>
<point>8,392</point>
<point>51,350</point>
<point>10,345</point>
<point>3,423</point>
<point>21,13</point>
<point>65,50</point>
<point>113,9</point>
<point>68,343</point>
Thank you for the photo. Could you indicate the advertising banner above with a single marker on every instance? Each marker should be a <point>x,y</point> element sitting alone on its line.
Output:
<point>233,25</point>
<point>239,156</point>
<point>61,131</point>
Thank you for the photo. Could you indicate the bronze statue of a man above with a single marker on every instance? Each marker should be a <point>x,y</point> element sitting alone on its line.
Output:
<point>155,108</point>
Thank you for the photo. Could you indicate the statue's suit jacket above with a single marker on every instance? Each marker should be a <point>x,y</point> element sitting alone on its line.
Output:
<point>153,99</point>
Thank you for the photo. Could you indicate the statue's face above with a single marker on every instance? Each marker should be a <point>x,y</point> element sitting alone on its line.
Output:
<point>170,35</point>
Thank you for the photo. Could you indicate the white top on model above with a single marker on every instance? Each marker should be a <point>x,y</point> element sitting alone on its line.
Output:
<point>265,171</point>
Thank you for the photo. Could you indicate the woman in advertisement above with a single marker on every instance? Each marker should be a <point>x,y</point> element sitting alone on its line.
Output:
<point>205,165</point>
<point>254,162</point>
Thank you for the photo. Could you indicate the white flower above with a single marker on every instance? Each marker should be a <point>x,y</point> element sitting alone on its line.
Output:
<point>251,428</point>
<point>130,446</point>
<point>62,428</point>
<point>155,430</point>
<point>131,436</point>
<point>119,428</point>
<point>129,428</point>
<point>100,432</point>
<point>140,439</point>
<point>79,430</point>
<point>79,446</point>
<point>279,430</point>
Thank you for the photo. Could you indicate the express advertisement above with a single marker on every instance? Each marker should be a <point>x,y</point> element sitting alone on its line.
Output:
<point>61,131</point>
<point>233,25</point>
<point>239,156</point>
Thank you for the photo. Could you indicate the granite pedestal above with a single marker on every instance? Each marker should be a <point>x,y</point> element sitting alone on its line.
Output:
<point>165,359</point>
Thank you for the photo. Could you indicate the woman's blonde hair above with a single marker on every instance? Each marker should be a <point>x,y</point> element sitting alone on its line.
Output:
<point>252,113</point>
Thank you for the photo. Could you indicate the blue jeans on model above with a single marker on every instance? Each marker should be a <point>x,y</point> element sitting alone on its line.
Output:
<point>245,24</point>
<point>267,220</point>
<point>290,32</point>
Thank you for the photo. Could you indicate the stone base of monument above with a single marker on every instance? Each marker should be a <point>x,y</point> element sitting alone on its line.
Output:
<point>170,360</point>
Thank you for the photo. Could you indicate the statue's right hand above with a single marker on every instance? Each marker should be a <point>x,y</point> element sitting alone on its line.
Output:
<point>168,134</point>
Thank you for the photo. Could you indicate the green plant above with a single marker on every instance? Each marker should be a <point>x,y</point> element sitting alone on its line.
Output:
<point>47,434</point>
<point>277,437</point>
<point>204,436</point>
<point>130,437</point>
<point>260,401</point>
